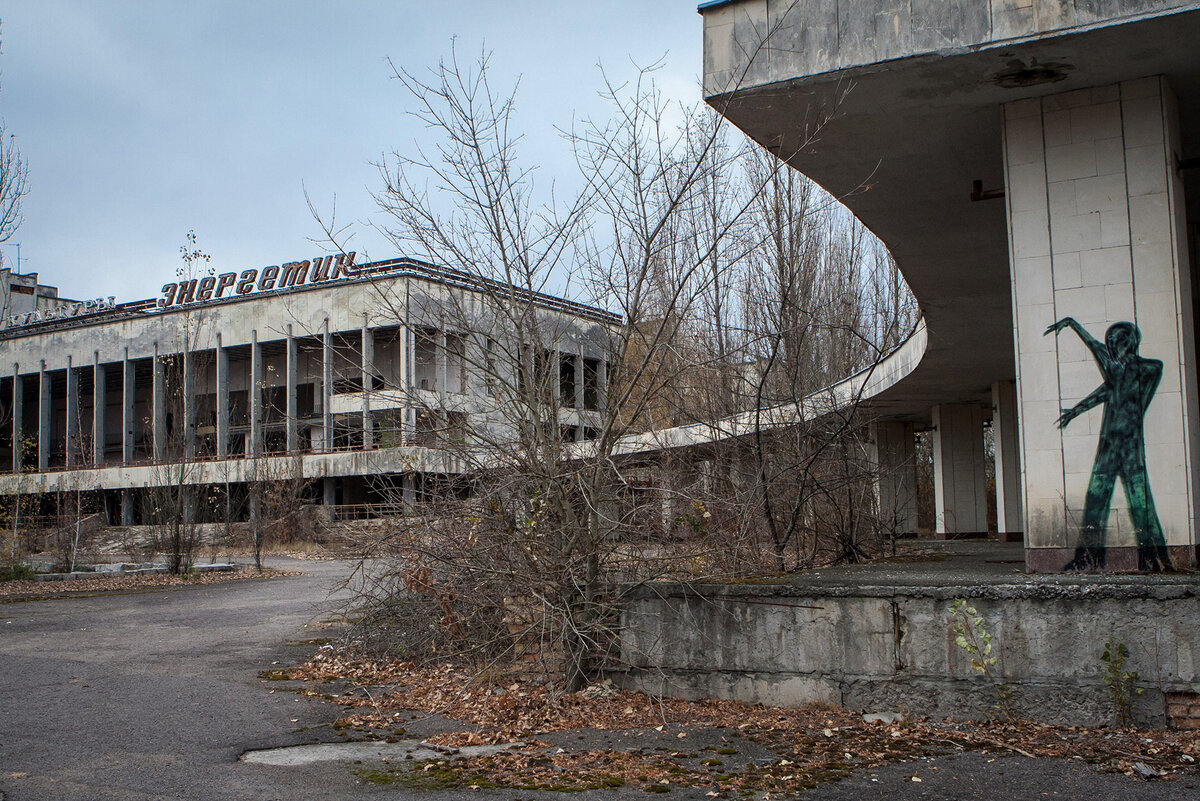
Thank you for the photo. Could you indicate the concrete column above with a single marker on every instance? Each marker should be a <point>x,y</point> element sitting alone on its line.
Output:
<point>440,354</point>
<point>74,446</point>
<point>893,445</point>
<point>1097,243</point>
<point>222,400</point>
<point>327,387</point>
<point>256,394</point>
<point>368,377</point>
<point>158,414</point>
<point>406,366</point>
<point>189,404</point>
<point>99,420</point>
<point>128,392</point>
<point>408,489</point>
<point>43,417</point>
<point>329,494</point>
<point>579,377</point>
<point>293,359</point>
<point>18,407</point>
<point>959,477</point>
<point>126,507</point>
<point>1009,521</point>
<point>602,384</point>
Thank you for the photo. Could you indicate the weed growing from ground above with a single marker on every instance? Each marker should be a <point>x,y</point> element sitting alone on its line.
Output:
<point>1121,683</point>
<point>972,636</point>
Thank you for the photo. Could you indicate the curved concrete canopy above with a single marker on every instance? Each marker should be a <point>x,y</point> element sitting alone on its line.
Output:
<point>902,144</point>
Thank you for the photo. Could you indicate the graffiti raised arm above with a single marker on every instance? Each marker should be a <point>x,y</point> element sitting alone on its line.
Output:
<point>1098,348</point>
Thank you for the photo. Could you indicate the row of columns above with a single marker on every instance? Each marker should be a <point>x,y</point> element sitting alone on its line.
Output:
<point>104,374</point>
<point>959,468</point>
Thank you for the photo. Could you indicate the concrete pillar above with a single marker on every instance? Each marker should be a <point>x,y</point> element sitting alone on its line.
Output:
<point>18,407</point>
<point>368,377</point>
<point>126,507</point>
<point>602,384</point>
<point>893,448</point>
<point>158,414</point>
<point>188,422</point>
<point>409,489</point>
<point>579,377</point>
<point>99,419</point>
<point>327,387</point>
<point>128,392</point>
<point>440,354</point>
<point>959,477</point>
<point>74,446</point>
<point>406,366</point>
<point>256,394</point>
<point>222,401</point>
<point>1009,522</point>
<point>293,359</point>
<point>329,495</point>
<point>1104,327</point>
<point>43,447</point>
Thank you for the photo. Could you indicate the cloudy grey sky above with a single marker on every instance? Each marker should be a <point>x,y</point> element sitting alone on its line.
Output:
<point>141,120</point>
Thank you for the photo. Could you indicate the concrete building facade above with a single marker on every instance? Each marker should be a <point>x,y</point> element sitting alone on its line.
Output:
<point>1029,164</point>
<point>353,376</point>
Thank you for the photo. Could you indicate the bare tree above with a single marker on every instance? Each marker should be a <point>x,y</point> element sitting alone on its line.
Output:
<point>14,184</point>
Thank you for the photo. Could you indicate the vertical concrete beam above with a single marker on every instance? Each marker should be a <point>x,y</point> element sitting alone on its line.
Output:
<point>189,404</point>
<point>1009,521</point>
<point>74,446</point>
<point>893,451</point>
<point>368,378</point>
<point>602,384</point>
<point>405,381</point>
<point>579,377</point>
<point>1097,242</point>
<point>126,507</point>
<point>293,359</point>
<point>959,474</point>
<point>327,387</point>
<point>256,395</point>
<point>99,403</point>
<point>440,360</point>
<point>158,412</point>
<point>329,495</point>
<point>128,422</point>
<point>18,407</point>
<point>222,400</point>
<point>43,417</point>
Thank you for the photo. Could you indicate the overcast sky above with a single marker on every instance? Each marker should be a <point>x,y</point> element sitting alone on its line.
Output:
<point>142,120</point>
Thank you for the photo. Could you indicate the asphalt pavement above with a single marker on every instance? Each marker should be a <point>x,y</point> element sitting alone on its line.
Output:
<point>155,695</point>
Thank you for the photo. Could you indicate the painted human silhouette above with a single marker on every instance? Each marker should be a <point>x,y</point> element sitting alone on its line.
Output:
<point>1129,384</point>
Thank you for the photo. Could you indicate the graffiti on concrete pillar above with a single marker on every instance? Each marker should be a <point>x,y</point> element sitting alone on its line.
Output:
<point>1130,381</point>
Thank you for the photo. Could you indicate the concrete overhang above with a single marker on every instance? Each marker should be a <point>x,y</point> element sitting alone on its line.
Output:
<point>902,141</point>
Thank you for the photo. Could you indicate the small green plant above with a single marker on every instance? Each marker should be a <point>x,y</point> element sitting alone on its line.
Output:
<point>18,571</point>
<point>1122,683</point>
<point>973,637</point>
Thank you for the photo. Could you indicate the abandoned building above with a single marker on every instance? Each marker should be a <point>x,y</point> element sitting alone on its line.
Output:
<point>349,375</point>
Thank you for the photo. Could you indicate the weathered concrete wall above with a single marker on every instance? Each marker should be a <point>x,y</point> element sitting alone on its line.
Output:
<point>886,648</point>
<point>819,36</point>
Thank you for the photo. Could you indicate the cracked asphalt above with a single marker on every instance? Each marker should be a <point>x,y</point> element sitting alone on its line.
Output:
<point>155,695</point>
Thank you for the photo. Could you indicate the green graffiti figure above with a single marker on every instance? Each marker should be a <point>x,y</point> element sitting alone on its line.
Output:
<point>1129,384</point>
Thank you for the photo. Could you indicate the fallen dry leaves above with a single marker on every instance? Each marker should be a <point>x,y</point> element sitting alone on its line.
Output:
<point>810,745</point>
<point>22,589</point>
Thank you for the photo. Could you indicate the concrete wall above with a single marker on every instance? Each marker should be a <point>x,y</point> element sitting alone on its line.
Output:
<point>888,648</point>
<point>818,36</point>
